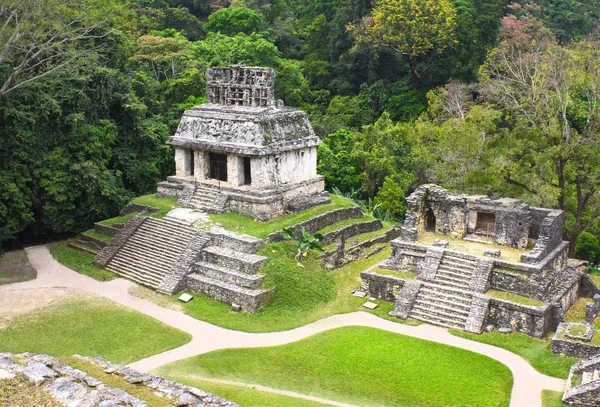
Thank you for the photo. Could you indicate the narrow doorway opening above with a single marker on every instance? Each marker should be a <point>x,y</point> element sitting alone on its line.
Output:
<point>486,223</point>
<point>247,173</point>
<point>429,220</point>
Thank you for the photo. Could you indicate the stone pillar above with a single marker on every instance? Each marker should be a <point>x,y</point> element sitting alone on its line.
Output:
<point>233,169</point>
<point>179,162</point>
<point>200,165</point>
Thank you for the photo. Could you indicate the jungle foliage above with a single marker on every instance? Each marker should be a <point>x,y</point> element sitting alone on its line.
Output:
<point>481,96</point>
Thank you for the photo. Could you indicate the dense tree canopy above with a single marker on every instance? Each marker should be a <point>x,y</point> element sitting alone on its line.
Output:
<point>481,96</point>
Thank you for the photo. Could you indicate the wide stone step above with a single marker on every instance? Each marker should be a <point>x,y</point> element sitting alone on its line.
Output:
<point>458,262</point>
<point>446,301</point>
<point>150,268</point>
<point>147,253</point>
<point>455,270</point>
<point>229,276</point>
<point>233,260</point>
<point>251,300</point>
<point>450,284</point>
<point>83,247</point>
<point>167,229</point>
<point>143,278</point>
<point>446,291</point>
<point>159,243</point>
<point>443,277</point>
<point>447,311</point>
<point>436,320</point>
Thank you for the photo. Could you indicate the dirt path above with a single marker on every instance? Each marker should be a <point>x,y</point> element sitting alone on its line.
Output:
<point>528,383</point>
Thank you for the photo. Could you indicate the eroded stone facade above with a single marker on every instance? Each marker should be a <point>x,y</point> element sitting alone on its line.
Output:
<point>257,153</point>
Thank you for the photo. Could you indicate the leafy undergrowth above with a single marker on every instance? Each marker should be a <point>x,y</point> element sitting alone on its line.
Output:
<point>249,396</point>
<point>15,267</point>
<point>362,366</point>
<point>79,261</point>
<point>302,295</point>
<point>93,327</point>
<point>244,224</point>
<point>536,351</point>
<point>118,382</point>
<point>552,398</point>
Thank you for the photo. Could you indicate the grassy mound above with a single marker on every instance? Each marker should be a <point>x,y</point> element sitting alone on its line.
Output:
<point>94,327</point>
<point>362,366</point>
<point>79,261</point>
<point>15,267</point>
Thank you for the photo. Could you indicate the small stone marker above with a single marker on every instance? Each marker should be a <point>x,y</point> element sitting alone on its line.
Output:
<point>489,328</point>
<point>236,307</point>
<point>359,294</point>
<point>370,305</point>
<point>372,298</point>
<point>185,297</point>
<point>441,243</point>
<point>494,253</point>
<point>505,330</point>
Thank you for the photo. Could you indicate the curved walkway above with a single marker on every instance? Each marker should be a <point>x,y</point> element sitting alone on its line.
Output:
<point>528,383</point>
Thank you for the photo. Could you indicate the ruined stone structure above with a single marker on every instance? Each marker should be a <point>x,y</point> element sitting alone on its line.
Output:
<point>583,384</point>
<point>449,286</point>
<point>244,151</point>
<point>69,386</point>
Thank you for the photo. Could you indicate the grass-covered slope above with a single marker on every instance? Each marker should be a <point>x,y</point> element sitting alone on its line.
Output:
<point>92,327</point>
<point>363,366</point>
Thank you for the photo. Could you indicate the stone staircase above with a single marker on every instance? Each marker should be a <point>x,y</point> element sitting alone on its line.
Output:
<point>442,305</point>
<point>150,253</point>
<point>455,271</point>
<point>445,296</point>
<point>231,276</point>
<point>587,392</point>
<point>206,199</point>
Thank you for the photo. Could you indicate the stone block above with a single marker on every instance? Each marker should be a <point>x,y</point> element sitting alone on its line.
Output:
<point>505,330</point>
<point>494,253</point>
<point>441,243</point>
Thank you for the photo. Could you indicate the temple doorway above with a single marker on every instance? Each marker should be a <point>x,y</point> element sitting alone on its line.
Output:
<point>218,166</point>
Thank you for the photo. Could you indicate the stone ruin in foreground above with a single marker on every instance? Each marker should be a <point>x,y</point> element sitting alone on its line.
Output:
<point>447,285</point>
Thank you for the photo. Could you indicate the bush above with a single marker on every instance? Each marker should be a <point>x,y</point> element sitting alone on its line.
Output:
<point>588,247</point>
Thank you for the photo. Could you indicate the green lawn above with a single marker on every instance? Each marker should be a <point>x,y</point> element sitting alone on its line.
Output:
<point>536,351</point>
<point>251,397</point>
<point>164,205</point>
<point>552,398</point>
<point>363,366</point>
<point>92,327</point>
<point>79,261</point>
<point>97,235</point>
<point>519,299</point>
<point>302,296</point>
<point>244,224</point>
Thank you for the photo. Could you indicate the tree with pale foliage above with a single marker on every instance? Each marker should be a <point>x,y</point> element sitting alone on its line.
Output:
<point>38,38</point>
<point>417,30</point>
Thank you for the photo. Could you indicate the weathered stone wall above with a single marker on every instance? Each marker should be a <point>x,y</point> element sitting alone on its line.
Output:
<point>250,300</point>
<point>406,256</point>
<point>381,286</point>
<point>106,230</point>
<point>477,314</point>
<point>287,167</point>
<point>351,230</point>
<point>511,280</point>
<point>319,222</point>
<point>571,347</point>
<point>406,299</point>
<point>549,238</point>
<point>534,321</point>
<point>244,244</point>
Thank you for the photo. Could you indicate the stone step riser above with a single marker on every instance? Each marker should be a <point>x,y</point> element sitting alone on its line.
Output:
<point>450,284</point>
<point>161,246</point>
<point>171,232</point>
<point>444,302</point>
<point>438,321</point>
<point>456,270</point>
<point>231,278</point>
<point>251,300</point>
<point>447,312</point>
<point>151,272</point>
<point>444,292</point>
<point>227,260</point>
<point>444,280</point>
<point>458,264</point>
<point>149,256</point>
<point>137,277</point>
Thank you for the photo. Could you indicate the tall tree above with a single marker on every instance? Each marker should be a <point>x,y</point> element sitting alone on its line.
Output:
<point>418,30</point>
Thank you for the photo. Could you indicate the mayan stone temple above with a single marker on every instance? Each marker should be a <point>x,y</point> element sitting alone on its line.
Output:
<point>459,255</point>
<point>243,152</point>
